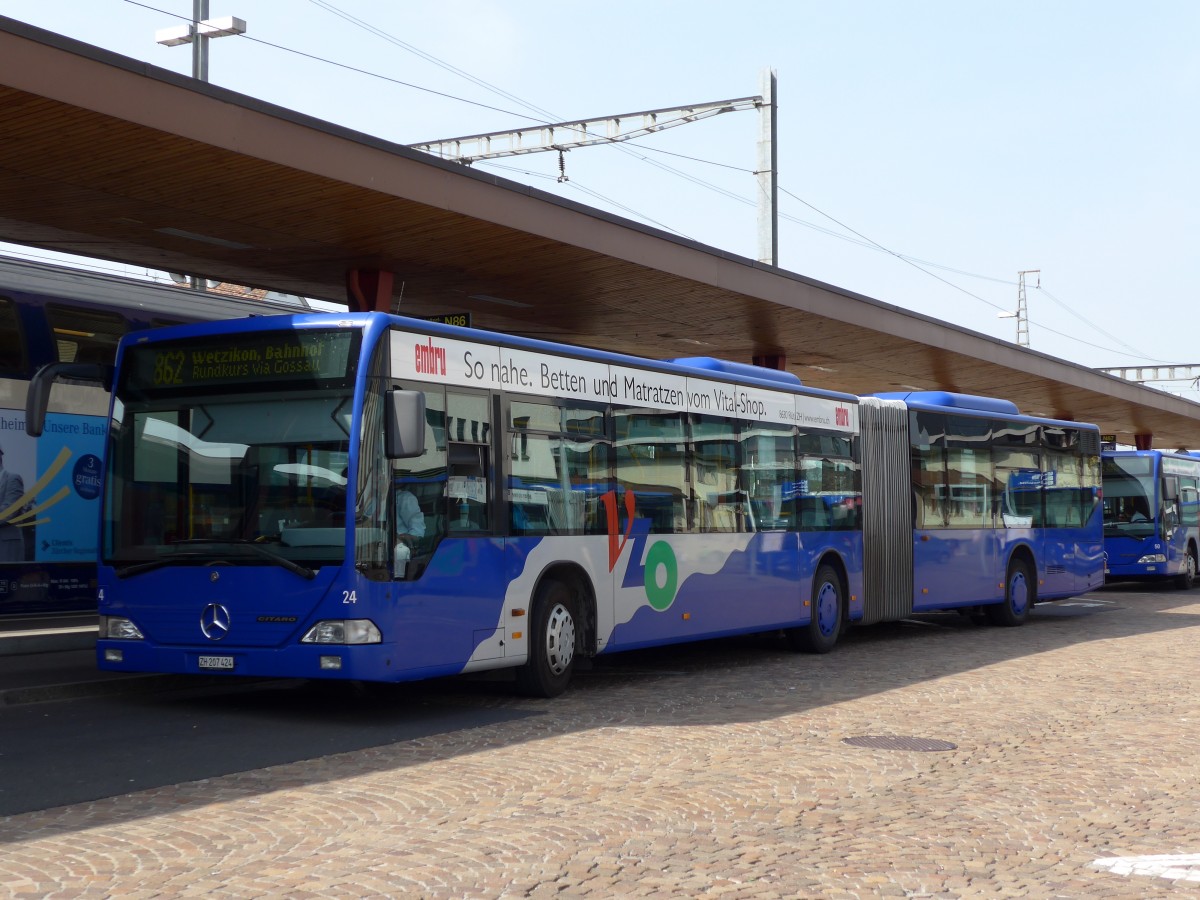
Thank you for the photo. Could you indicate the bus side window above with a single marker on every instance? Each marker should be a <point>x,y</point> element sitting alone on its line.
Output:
<point>1189,501</point>
<point>468,473</point>
<point>467,488</point>
<point>713,456</point>
<point>927,433</point>
<point>651,461</point>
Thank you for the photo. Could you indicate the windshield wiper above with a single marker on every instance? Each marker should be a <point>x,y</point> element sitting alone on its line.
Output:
<point>277,558</point>
<point>197,554</point>
<point>177,556</point>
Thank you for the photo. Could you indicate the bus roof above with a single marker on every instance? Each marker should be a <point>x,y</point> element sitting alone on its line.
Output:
<point>971,404</point>
<point>741,370</point>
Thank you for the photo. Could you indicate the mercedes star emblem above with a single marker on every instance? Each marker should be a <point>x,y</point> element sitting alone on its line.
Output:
<point>214,621</point>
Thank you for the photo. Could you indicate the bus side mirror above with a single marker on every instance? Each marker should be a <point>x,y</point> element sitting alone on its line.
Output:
<point>404,415</point>
<point>1170,488</point>
<point>38,398</point>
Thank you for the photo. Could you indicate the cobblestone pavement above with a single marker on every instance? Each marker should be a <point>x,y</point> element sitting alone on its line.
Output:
<point>714,770</point>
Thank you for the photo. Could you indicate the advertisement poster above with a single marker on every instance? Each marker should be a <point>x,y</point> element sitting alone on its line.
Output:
<point>50,488</point>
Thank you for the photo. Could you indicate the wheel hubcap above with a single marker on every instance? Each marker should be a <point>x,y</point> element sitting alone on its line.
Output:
<point>827,608</point>
<point>1018,593</point>
<point>560,639</point>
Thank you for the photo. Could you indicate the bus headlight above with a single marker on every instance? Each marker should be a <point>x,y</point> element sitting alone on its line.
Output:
<point>118,628</point>
<point>1153,558</point>
<point>343,631</point>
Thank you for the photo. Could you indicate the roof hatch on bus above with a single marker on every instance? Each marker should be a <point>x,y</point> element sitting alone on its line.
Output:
<point>950,400</point>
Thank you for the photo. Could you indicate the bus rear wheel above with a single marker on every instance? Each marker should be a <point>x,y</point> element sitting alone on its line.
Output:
<point>823,629</point>
<point>1187,578</point>
<point>1020,592</point>
<point>552,630</point>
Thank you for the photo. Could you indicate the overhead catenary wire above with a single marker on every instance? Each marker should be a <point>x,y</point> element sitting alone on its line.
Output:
<point>1088,322</point>
<point>360,71</point>
<point>429,57</point>
<point>574,183</point>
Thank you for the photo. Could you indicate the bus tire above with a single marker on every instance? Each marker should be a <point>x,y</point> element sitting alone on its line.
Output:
<point>1020,593</point>
<point>828,608</point>
<point>552,633</point>
<point>1187,578</point>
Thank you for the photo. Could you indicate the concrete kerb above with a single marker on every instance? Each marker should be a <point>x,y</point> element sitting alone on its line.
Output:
<point>48,640</point>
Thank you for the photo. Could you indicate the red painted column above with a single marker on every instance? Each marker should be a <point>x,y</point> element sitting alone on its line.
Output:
<point>369,290</point>
<point>771,361</point>
<point>1143,441</point>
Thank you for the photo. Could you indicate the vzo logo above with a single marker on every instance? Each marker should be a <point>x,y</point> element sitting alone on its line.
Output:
<point>659,575</point>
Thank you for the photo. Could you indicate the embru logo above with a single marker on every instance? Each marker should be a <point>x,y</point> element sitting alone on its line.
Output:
<point>841,416</point>
<point>659,574</point>
<point>430,360</point>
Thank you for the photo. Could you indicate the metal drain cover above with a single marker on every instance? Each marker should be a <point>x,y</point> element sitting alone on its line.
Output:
<point>894,742</point>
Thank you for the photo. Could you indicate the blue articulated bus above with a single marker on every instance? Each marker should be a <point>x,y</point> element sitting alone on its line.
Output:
<point>379,498</point>
<point>1152,515</point>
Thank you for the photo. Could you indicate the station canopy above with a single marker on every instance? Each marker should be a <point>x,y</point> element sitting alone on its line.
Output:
<point>112,158</point>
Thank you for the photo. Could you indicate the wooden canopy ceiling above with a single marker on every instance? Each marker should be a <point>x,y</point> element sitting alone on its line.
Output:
<point>112,158</point>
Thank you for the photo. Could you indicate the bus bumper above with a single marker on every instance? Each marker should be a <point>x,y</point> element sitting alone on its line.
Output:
<point>360,662</point>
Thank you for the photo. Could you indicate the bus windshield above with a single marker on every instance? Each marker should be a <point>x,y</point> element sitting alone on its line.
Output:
<point>249,470</point>
<point>1129,496</point>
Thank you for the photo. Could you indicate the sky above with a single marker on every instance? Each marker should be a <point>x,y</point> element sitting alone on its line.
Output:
<point>928,151</point>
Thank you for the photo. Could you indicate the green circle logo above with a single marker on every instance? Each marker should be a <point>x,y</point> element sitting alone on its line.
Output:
<point>661,555</point>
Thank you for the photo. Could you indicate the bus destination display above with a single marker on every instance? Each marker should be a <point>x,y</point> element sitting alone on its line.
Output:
<point>292,356</point>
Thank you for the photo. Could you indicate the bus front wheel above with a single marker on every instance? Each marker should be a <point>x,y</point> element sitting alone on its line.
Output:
<point>547,672</point>
<point>822,631</point>
<point>1020,592</point>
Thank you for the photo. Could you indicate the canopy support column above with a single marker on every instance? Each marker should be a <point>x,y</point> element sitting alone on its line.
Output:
<point>771,361</point>
<point>369,290</point>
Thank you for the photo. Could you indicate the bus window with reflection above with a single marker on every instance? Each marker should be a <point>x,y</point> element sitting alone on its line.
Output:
<point>651,456</point>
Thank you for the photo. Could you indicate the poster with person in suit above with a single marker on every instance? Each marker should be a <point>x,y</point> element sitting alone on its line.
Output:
<point>14,507</point>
